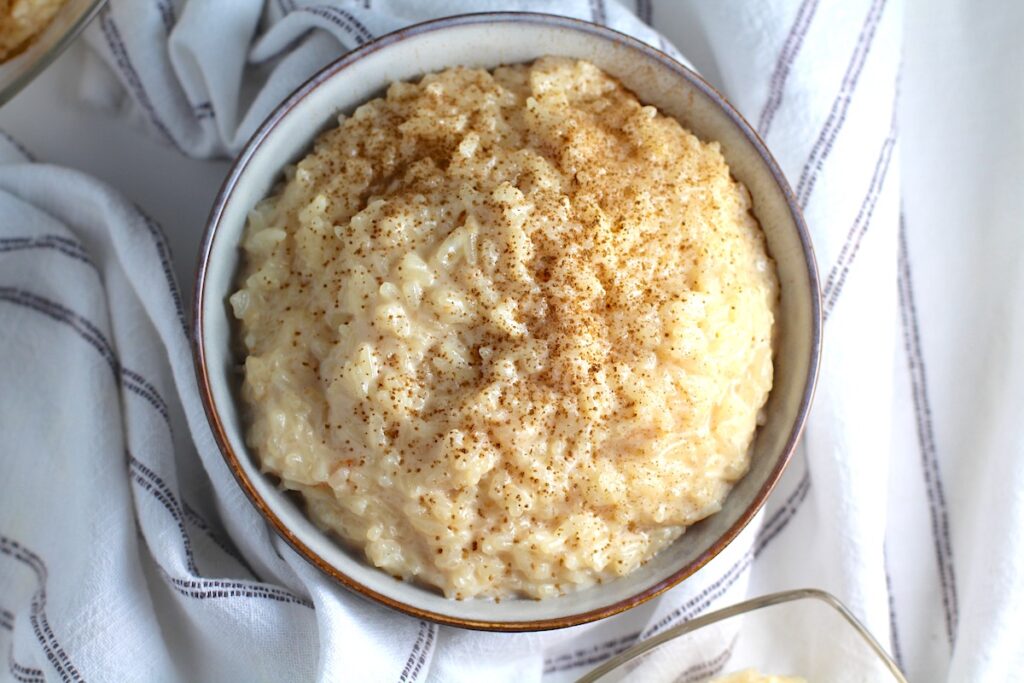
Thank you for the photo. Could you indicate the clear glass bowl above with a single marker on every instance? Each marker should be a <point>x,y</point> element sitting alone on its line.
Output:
<point>69,21</point>
<point>802,633</point>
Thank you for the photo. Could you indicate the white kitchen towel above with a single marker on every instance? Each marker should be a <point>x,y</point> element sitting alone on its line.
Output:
<point>203,74</point>
<point>128,553</point>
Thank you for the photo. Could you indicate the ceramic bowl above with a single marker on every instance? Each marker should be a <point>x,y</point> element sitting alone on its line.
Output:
<point>489,40</point>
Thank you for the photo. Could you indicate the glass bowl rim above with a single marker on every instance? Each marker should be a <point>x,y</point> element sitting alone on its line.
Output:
<point>745,607</point>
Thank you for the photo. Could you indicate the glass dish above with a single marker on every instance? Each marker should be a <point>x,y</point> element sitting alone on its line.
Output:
<point>69,21</point>
<point>802,633</point>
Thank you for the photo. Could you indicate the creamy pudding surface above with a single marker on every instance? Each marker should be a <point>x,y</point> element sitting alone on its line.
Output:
<point>507,333</point>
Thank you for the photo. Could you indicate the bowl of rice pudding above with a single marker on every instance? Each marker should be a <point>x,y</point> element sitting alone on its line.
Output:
<point>507,321</point>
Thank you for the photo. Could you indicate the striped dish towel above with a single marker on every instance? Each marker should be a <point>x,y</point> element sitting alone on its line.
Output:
<point>127,552</point>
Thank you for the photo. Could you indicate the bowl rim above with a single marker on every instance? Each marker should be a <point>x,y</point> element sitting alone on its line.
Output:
<point>738,609</point>
<point>338,66</point>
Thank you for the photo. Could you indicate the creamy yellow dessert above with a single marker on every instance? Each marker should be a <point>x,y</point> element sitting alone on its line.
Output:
<point>23,20</point>
<point>509,332</point>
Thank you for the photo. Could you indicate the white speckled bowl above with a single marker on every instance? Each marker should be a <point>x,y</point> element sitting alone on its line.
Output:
<point>489,40</point>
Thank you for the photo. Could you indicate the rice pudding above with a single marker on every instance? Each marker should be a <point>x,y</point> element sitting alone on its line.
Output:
<point>507,333</point>
<point>23,20</point>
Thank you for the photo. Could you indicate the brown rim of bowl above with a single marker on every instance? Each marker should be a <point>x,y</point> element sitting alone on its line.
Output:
<point>340,65</point>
